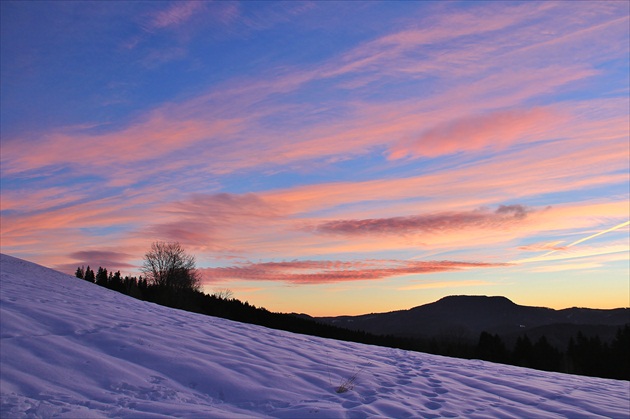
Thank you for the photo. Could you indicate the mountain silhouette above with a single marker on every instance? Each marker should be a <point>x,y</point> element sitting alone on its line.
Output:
<point>465,317</point>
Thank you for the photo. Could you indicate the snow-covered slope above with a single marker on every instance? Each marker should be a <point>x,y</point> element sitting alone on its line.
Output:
<point>73,349</point>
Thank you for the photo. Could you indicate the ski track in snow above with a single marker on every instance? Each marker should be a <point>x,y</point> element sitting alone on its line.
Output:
<point>72,349</point>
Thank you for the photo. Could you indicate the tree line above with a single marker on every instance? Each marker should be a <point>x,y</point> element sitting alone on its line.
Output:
<point>584,355</point>
<point>171,279</point>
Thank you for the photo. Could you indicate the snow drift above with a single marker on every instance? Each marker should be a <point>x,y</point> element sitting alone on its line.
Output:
<point>73,349</point>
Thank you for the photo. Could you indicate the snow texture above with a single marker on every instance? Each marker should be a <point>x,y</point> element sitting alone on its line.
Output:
<point>73,349</point>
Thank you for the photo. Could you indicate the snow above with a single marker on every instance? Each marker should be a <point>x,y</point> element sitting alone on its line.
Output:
<point>73,349</point>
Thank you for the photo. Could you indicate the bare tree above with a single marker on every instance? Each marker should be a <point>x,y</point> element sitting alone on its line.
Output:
<point>168,266</point>
<point>223,294</point>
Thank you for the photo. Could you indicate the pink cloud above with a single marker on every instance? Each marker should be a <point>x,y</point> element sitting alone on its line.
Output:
<point>177,14</point>
<point>500,39</point>
<point>108,259</point>
<point>228,123</point>
<point>216,222</point>
<point>432,223</point>
<point>225,225</point>
<point>371,126</point>
<point>572,162</point>
<point>545,246</point>
<point>398,125</point>
<point>324,272</point>
<point>56,230</point>
<point>426,126</point>
<point>496,130</point>
<point>37,200</point>
<point>390,51</point>
<point>270,222</point>
<point>160,135</point>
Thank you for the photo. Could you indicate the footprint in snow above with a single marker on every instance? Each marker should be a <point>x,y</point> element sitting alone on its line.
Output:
<point>433,405</point>
<point>154,379</point>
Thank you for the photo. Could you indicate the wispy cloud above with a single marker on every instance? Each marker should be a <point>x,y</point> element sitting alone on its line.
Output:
<point>565,252</point>
<point>431,223</point>
<point>496,130</point>
<point>544,246</point>
<point>106,258</point>
<point>212,222</point>
<point>228,120</point>
<point>324,272</point>
<point>544,168</point>
<point>178,13</point>
<point>160,136</point>
<point>589,261</point>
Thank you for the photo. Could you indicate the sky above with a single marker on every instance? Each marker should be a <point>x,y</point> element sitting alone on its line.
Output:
<point>325,157</point>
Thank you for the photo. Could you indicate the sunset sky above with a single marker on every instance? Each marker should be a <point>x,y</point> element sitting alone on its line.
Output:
<point>325,157</point>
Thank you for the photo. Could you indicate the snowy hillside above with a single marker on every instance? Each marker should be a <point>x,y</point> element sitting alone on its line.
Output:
<point>73,349</point>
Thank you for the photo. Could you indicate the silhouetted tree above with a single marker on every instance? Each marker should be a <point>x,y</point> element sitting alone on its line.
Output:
<point>545,356</point>
<point>168,267</point>
<point>620,354</point>
<point>588,355</point>
<point>131,288</point>
<point>223,294</point>
<point>89,274</point>
<point>80,273</point>
<point>491,348</point>
<point>115,282</point>
<point>142,284</point>
<point>523,352</point>
<point>101,277</point>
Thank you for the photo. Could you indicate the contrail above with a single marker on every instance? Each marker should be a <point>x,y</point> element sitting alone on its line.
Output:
<point>536,258</point>
<point>600,233</point>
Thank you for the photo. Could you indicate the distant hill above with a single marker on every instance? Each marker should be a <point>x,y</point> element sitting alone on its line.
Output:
<point>465,317</point>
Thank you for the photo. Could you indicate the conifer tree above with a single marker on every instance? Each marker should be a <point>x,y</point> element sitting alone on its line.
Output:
<point>101,277</point>
<point>545,356</point>
<point>523,352</point>
<point>620,349</point>
<point>491,348</point>
<point>89,274</point>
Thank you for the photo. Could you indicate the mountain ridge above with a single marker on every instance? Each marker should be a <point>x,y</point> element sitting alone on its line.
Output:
<point>466,316</point>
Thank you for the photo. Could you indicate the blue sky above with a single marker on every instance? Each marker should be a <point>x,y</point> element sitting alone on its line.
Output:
<point>325,157</point>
